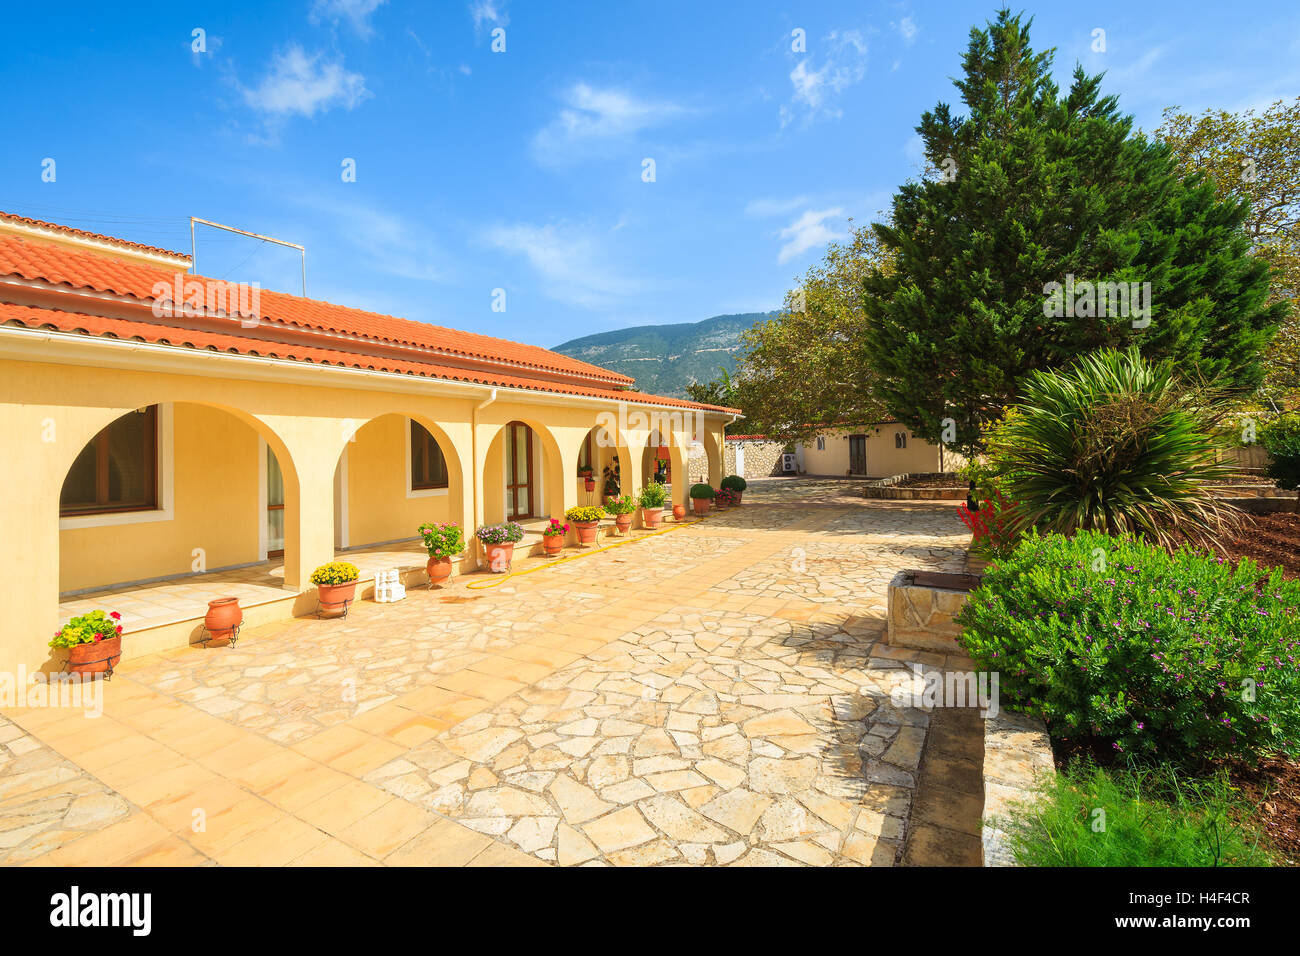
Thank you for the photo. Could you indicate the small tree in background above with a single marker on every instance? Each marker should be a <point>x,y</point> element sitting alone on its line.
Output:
<point>1281,439</point>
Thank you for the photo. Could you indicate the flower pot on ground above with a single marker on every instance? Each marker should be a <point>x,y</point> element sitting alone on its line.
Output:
<point>553,537</point>
<point>443,542</point>
<point>701,498</point>
<point>223,617</point>
<point>336,586</point>
<point>499,542</point>
<point>726,498</point>
<point>679,512</point>
<point>93,642</point>
<point>621,508</point>
<point>586,521</point>
<point>736,485</point>
<point>652,498</point>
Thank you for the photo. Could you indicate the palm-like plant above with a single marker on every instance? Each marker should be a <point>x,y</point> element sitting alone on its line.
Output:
<point>1114,444</point>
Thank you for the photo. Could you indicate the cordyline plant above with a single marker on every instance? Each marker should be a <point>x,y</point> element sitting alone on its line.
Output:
<point>1116,444</point>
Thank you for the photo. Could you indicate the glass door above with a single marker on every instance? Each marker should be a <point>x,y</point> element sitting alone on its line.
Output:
<point>519,471</point>
<point>274,507</point>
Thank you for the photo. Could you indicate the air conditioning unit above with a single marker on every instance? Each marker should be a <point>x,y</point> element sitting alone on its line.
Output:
<point>788,463</point>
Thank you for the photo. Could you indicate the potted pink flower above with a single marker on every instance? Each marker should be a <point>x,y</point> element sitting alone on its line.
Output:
<point>553,537</point>
<point>93,642</point>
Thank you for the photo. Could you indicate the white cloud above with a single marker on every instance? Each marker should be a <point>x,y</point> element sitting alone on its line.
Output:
<point>808,232</point>
<point>591,115</point>
<point>305,84</point>
<point>571,261</point>
<point>814,87</point>
<point>907,29</point>
<point>355,12</point>
<point>489,11</point>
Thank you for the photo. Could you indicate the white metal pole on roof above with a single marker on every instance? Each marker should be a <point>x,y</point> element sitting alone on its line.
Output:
<point>252,235</point>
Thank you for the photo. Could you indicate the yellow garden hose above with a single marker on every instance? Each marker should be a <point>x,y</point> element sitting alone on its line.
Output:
<point>497,581</point>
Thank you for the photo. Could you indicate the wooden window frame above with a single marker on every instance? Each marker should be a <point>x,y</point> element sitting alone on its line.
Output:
<point>446,470</point>
<point>512,487</point>
<point>149,454</point>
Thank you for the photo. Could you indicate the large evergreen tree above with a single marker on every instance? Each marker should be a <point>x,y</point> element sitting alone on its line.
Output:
<point>1037,188</point>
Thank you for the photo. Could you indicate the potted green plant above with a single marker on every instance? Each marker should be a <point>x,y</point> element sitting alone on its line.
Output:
<point>736,484</point>
<point>443,541</point>
<point>621,508</point>
<point>612,486</point>
<point>553,537</point>
<point>499,542</point>
<point>93,642</point>
<point>701,497</point>
<point>586,519</point>
<point>336,585</point>
<point>652,499</point>
<point>588,480</point>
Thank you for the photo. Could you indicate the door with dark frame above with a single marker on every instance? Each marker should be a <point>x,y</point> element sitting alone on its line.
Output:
<point>519,471</point>
<point>857,454</point>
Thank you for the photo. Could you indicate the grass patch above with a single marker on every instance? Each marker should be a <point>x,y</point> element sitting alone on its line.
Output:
<point>1137,816</point>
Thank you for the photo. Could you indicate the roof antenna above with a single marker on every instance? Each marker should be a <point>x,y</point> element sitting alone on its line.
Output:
<point>254,235</point>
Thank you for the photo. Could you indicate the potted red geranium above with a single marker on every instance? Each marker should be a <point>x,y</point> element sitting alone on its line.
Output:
<point>93,642</point>
<point>553,537</point>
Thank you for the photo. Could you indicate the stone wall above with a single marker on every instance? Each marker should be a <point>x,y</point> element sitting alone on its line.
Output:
<point>762,460</point>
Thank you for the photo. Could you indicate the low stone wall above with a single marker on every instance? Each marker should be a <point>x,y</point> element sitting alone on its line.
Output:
<point>1017,761</point>
<point>762,460</point>
<point>885,488</point>
<point>921,616</point>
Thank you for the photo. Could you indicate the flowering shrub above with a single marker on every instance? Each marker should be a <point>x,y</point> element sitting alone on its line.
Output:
<point>991,531</point>
<point>510,532</point>
<point>88,629</point>
<point>1177,654</point>
<point>442,540</point>
<point>555,529</point>
<point>653,495</point>
<point>336,572</point>
<point>623,505</point>
<point>585,513</point>
<point>726,497</point>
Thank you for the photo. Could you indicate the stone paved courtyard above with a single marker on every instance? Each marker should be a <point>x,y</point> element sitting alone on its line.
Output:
<point>715,695</point>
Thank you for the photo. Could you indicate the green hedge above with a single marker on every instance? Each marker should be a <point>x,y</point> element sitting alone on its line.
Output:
<point>1178,655</point>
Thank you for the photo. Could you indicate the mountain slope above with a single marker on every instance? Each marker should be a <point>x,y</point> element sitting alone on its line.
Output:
<point>664,359</point>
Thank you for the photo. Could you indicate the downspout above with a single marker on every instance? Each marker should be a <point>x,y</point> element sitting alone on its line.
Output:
<point>475,478</point>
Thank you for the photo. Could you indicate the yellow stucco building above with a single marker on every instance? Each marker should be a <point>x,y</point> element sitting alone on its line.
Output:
<point>163,426</point>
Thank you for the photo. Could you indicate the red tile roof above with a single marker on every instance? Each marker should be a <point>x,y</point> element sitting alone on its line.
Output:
<point>62,266</point>
<point>95,325</point>
<point>83,234</point>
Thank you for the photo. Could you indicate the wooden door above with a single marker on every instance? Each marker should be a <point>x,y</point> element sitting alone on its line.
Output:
<point>858,454</point>
<point>519,471</point>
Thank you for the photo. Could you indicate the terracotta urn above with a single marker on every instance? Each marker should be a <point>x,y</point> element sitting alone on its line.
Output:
<point>499,556</point>
<point>623,523</point>
<point>589,484</point>
<point>224,615</point>
<point>97,657</point>
<point>553,544</point>
<point>740,496</point>
<point>336,597</point>
<point>439,570</point>
<point>651,516</point>
<point>587,531</point>
<point>701,505</point>
<point>679,512</point>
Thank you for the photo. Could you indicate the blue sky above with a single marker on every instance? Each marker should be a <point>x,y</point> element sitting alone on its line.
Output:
<point>522,170</point>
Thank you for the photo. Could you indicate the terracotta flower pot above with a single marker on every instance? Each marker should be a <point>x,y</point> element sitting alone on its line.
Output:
<point>224,615</point>
<point>499,556</point>
<point>553,544</point>
<point>651,516</point>
<point>623,523</point>
<point>587,531</point>
<point>740,496</point>
<point>335,597</point>
<point>98,657</point>
<point>439,570</point>
<point>589,484</point>
<point>679,512</point>
<point>701,505</point>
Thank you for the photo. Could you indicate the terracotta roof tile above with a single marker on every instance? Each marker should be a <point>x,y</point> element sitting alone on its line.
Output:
<point>58,265</point>
<point>84,234</point>
<point>96,325</point>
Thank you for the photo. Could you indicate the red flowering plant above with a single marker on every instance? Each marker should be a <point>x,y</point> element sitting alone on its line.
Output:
<point>992,534</point>
<point>88,629</point>
<point>555,529</point>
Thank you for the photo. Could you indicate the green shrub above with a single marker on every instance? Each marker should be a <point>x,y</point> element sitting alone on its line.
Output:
<point>734,483</point>
<point>1149,817</point>
<point>1281,439</point>
<point>1116,444</point>
<point>88,629</point>
<point>1178,654</point>
<point>702,491</point>
<point>653,495</point>
<point>336,572</point>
